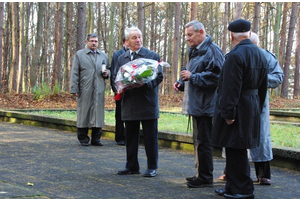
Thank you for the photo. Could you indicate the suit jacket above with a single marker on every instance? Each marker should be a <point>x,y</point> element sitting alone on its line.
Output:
<point>113,70</point>
<point>141,103</point>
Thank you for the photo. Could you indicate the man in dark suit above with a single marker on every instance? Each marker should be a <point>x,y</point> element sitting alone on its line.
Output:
<point>242,90</point>
<point>119,125</point>
<point>140,105</point>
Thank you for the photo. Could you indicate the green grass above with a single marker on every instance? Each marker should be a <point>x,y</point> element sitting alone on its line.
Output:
<point>281,134</point>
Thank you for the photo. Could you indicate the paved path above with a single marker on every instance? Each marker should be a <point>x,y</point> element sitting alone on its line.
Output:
<point>59,168</point>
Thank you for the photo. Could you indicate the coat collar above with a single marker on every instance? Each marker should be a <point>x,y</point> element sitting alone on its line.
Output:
<point>87,50</point>
<point>202,48</point>
<point>142,53</point>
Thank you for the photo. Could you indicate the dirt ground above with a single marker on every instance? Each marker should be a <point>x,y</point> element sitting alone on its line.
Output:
<point>68,101</point>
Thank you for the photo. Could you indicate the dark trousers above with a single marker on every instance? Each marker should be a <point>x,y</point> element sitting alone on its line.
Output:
<point>238,172</point>
<point>262,170</point>
<point>119,126</point>
<point>203,149</point>
<point>150,133</point>
<point>82,135</point>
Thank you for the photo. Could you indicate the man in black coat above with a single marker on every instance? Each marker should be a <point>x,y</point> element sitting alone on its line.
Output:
<point>242,90</point>
<point>119,125</point>
<point>140,105</point>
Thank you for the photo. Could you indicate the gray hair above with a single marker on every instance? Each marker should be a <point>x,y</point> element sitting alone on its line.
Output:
<point>241,34</point>
<point>91,35</point>
<point>254,38</point>
<point>196,25</point>
<point>129,30</point>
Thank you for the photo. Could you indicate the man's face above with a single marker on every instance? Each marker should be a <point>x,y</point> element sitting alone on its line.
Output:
<point>135,40</point>
<point>194,38</point>
<point>92,43</point>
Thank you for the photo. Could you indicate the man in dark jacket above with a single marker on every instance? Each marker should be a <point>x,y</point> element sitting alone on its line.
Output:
<point>200,82</point>
<point>140,105</point>
<point>242,90</point>
<point>119,125</point>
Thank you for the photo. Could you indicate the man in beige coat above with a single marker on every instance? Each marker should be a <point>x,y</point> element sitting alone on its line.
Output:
<point>88,84</point>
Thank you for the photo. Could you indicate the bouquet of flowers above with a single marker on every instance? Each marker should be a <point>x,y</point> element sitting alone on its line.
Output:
<point>135,73</point>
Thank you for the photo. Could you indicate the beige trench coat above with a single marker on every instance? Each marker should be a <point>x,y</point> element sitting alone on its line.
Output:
<point>87,81</point>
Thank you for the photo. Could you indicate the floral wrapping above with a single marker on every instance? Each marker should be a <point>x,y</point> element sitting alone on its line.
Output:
<point>135,73</point>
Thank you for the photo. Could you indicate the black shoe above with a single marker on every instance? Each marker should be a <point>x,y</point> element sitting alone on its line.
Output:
<point>128,171</point>
<point>220,192</point>
<point>84,144</point>
<point>121,143</point>
<point>97,144</point>
<point>190,178</point>
<point>197,183</point>
<point>150,173</point>
<point>239,196</point>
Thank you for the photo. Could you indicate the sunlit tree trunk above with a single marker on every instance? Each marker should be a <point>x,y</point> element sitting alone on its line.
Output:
<point>22,48</point>
<point>238,10</point>
<point>176,45</point>
<point>12,87</point>
<point>90,19</point>
<point>287,61</point>
<point>141,16</point>
<point>193,12</point>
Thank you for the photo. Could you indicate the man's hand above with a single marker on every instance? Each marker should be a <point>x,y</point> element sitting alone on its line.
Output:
<point>176,85</point>
<point>185,75</point>
<point>229,121</point>
<point>105,74</point>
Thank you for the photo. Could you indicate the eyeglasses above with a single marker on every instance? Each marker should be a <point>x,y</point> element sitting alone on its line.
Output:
<point>96,41</point>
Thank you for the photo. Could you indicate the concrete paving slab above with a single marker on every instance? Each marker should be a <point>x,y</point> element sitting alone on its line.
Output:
<point>60,168</point>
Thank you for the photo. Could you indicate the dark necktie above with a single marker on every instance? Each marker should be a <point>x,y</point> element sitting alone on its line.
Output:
<point>133,55</point>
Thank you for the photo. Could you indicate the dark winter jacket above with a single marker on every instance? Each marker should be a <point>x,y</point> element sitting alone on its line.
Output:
<point>205,65</point>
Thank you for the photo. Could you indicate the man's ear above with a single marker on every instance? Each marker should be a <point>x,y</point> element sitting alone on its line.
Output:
<point>201,31</point>
<point>231,36</point>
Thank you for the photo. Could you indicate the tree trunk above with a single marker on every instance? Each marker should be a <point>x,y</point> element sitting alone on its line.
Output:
<point>238,10</point>
<point>285,83</point>
<point>6,50</point>
<point>121,24</point>
<point>80,41</point>
<point>12,87</point>
<point>152,26</point>
<point>225,18</point>
<point>256,16</point>
<point>297,60</point>
<point>111,25</point>
<point>68,45</point>
<point>193,12</point>
<point>56,74</point>
<point>283,35</point>
<point>1,34</point>
<point>22,48</point>
<point>277,28</point>
<point>176,45</point>
<point>141,16</point>
<point>36,56</point>
<point>90,19</point>
<point>26,70</point>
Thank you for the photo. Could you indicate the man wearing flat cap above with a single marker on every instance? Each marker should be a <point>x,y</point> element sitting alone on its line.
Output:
<point>242,90</point>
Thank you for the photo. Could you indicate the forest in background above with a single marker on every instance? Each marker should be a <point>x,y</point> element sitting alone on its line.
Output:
<point>39,39</point>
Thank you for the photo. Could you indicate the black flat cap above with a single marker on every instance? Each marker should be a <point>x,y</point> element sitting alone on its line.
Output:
<point>239,26</point>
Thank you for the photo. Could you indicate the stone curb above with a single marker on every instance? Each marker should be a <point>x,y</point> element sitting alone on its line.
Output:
<point>284,157</point>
